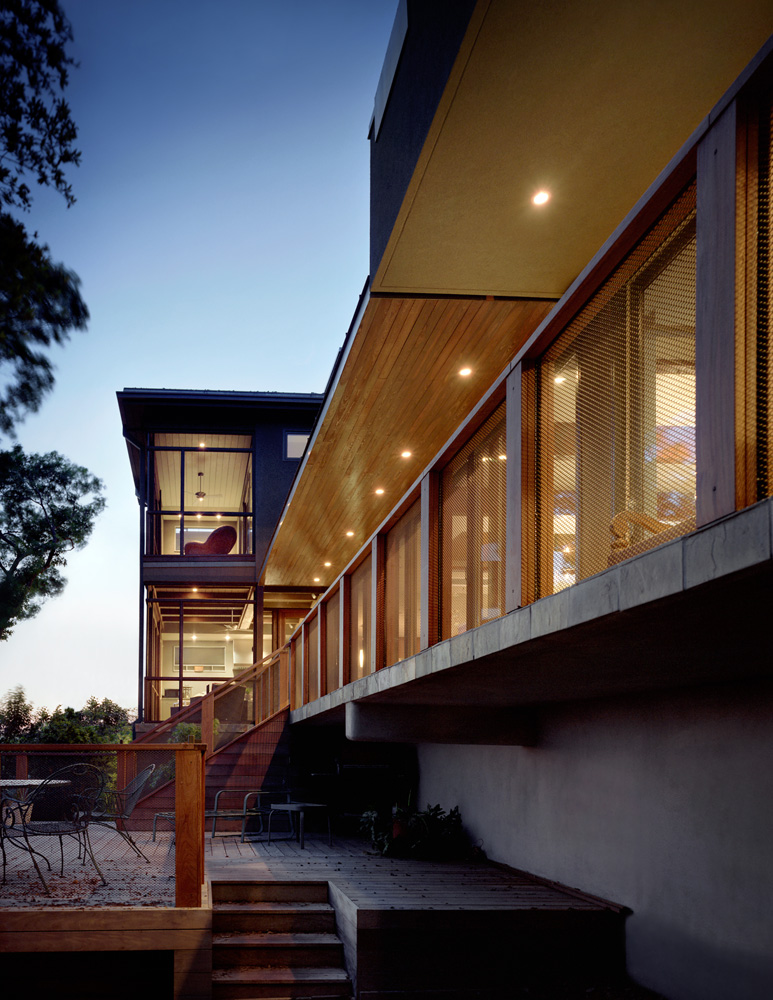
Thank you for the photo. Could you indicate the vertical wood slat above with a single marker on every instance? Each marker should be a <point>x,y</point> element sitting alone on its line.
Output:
<point>189,824</point>
<point>430,538</point>
<point>377,595</point>
<point>513,425</point>
<point>715,320</point>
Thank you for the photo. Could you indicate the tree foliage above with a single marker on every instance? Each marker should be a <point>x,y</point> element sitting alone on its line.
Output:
<point>48,507</point>
<point>40,301</point>
<point>39,304</point>
<point>97,722</point>
<point>37,133</point>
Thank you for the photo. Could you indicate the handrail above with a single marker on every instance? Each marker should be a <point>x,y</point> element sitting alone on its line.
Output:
<point>270,694</point>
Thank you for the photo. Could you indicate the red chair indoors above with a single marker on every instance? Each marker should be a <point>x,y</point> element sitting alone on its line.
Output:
<point>219,543</point>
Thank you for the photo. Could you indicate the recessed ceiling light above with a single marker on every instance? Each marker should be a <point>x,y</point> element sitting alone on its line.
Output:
<point>405,454</point>
<point>195,590</point>
<point>202,444</point>
<point>465,371</point>
<point>350,534</point>
<point>194,637</point>
<point>328,564</point>
<point>198,516</point>
<point>559,379</point>
<point>218,516</point>
<point>379,491</point>
<point>541,198</point>
<point>316,579</point>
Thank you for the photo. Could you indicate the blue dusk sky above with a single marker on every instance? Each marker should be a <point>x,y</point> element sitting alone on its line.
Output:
<point>221,237</point>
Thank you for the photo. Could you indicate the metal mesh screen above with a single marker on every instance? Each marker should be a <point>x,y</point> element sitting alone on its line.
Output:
<point>332,641</point>
<point>312,657</point>
<point>77,827</point>
<point>611,407</point>
<point>360,611</point>
<point>764,314</point>
<point>473,499</point>
<point>296,672</point>
<point>403,580</point>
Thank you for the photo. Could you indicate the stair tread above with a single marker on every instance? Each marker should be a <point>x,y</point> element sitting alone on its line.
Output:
<point>269,906</point>
<point>279,939</point>
<point>279,974</point>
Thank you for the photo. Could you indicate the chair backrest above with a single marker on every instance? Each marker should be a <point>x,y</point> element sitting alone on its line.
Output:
<point>70,793</point>
<point>132,792</point>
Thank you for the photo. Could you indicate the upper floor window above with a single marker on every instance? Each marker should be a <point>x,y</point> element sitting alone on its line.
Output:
<point>200,494</point>
<point>295,444</point>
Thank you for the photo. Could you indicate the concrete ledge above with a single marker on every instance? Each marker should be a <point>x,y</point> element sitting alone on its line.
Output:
<point>655,621</point>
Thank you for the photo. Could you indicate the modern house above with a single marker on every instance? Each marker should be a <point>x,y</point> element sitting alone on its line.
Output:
<point>211,472</point>
<point>534,518</point>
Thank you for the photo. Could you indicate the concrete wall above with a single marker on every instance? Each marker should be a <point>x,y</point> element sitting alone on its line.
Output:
<point>663,803</point>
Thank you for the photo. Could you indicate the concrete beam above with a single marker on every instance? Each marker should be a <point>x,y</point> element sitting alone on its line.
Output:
<point>467,724</point>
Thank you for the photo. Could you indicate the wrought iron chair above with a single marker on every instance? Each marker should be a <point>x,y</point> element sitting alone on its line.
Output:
<point>65,800</point>
<point>116,806</point>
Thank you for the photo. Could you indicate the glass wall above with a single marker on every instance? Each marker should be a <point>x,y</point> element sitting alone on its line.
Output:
<point>198,637</point>
<point>473,506</point>
<point>199,492</point>
<point>613,403</point>
<point>403,580</point>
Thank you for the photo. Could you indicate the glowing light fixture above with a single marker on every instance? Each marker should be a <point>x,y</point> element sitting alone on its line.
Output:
<point>202,444</point>
<point>195,590</point>
<point>194,637</point>
<point>328,564</point>
<point>464,372</point>
<point>350,534</point>
<point>559,379</point>
<point>541,198</point>
<point>316,579</point>
<point>503,458</point>
<point>218,516</point>
<point>405,454</point>
<point>198,517</point>
<point>379,492</point>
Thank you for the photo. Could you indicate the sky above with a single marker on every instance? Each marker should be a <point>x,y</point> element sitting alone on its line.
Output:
<point>220,234</point>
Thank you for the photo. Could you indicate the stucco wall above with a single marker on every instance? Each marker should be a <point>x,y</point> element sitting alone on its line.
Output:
<point>663,803</point>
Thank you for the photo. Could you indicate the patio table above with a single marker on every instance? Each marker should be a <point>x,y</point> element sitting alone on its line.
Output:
<point>299,808</point>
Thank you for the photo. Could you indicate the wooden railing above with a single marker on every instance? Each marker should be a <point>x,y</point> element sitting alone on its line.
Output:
<point>130,759</point>
<point>246,700</point>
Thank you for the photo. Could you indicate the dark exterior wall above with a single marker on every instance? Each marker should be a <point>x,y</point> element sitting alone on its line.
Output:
<point>435,32</point>
<point>274,473</point>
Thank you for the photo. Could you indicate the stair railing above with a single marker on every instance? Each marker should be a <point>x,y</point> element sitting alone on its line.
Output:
<point>244,701</point>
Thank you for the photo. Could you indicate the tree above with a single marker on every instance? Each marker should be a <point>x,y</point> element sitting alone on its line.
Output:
<point>39,304</point>
<point>97,722</point>
<point>48,507</point>
<point>39,299</point>
<point>37,133</point>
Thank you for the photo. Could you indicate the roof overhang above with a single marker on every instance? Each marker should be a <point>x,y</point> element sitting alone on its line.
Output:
<point>588,101</point>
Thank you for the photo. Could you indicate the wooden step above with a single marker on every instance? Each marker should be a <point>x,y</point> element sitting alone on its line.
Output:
<point>275,949</point>
<point>282,918</point>
<point>277,892</point>
<point>280,982</point>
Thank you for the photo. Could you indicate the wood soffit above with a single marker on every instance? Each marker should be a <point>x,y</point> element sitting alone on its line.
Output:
<point>590,106</point>
<point>399,389</point>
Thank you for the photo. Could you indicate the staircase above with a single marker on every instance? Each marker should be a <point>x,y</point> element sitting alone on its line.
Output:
<point>275,939</point>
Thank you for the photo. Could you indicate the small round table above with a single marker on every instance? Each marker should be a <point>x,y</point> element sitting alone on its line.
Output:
<point>299,808</point>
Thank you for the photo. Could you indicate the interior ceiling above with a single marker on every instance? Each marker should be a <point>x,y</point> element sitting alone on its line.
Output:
<point>588,100</point>
<point>399,389</point>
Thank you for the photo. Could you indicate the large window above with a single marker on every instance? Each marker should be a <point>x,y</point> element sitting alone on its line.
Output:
<point>401,603</point>
<point>198,637</point>
<point>473,507</point>
<point>199,495</point>
<point>612,409</point>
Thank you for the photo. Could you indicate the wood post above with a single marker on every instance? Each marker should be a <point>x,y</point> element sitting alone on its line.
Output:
<point>189,824</point>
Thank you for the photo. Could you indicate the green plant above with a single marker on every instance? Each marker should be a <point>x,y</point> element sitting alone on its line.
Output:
<point>431,834</point>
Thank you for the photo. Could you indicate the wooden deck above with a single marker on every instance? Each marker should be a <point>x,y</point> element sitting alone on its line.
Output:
<point>373,882</point>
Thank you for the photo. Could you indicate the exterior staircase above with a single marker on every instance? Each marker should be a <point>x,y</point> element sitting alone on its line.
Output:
<point>275,939</point>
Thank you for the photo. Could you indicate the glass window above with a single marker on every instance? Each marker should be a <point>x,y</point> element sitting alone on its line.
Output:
<point>295,444</point>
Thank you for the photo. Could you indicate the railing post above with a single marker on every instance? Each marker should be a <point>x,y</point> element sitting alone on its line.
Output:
<point>189,824</point>
<point>284,676</point>
<point>208,722</point>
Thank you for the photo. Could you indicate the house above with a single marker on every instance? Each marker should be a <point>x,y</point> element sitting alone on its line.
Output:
<point>545,557</point>
<point>211,472</point>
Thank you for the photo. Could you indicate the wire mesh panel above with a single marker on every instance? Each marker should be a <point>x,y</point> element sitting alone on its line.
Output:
<point>473,501</point>
<point>403,581</point>
<point>611,406</point>
<point>296,670</point>
<point>332,610</point>
<point>77,827</point>
<point>360,610</point>
<point>312,656</point>
<point>763,311</point>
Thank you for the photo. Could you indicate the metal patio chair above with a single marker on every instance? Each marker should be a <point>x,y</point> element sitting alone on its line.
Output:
<point>60,805</point>
<point>116,806</point>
